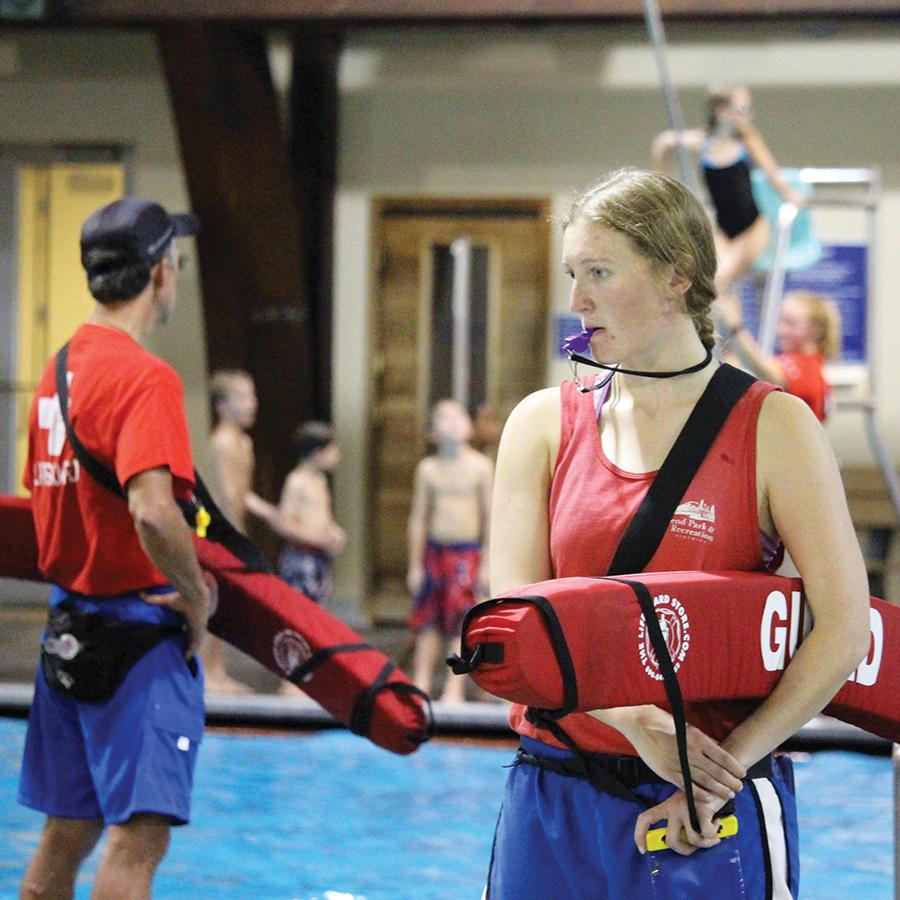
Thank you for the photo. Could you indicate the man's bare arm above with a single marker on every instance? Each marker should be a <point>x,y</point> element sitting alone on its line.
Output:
<point>417,528</point>
<point>303,515</point>
<point>166,538</point>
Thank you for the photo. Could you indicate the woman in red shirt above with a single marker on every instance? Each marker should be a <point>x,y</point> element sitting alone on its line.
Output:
<point>809,333</point>
<point>573,465</point>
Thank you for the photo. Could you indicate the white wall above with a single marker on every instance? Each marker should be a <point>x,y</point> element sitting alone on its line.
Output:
<point>497,111</point>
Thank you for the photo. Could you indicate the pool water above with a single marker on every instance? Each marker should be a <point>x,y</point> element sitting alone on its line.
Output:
<point>329,816</point>
<point>845,803</point>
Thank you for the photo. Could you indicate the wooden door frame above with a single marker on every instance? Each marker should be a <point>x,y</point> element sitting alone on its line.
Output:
<point>451,207</point>
<point>502,208</point>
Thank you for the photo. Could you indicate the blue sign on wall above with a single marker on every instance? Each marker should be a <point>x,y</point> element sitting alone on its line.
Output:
<point>840,274</point>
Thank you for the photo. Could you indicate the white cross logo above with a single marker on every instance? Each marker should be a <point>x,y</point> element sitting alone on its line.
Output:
<point>50,417</point>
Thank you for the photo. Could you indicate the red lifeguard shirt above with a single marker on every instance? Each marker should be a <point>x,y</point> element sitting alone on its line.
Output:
<point>715,527</point>
<point>127,407</point>
<point>804,375</point>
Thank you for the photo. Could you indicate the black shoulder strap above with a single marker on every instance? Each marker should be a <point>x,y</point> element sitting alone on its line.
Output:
<point>647,528</point>
<point>215,525</point>
<point>100,473</point>
<point>673,689</point>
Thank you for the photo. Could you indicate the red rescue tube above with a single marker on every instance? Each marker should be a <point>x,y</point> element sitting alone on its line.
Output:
<point>291,635</point>
<point>576,644</point>
<point>284,631</point>
<point>18,542</point>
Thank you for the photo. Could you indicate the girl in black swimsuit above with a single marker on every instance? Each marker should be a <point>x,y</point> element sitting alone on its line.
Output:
<point>728,147</point>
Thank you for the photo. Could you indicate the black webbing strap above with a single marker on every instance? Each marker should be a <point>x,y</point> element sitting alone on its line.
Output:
<point>599,776</point>
<point>630,771</point>
<point>302,672</point>
<point>673,689</point>
<point>361,715</point>
<point>218,528</point>
<point>490,652</point>
<point>642,538</point>
<point>364,704</point>
<point>581,763</point>
<point>649,524</point>
<point>618,775</point>
<point>651,521</point>
<point>99,472</point>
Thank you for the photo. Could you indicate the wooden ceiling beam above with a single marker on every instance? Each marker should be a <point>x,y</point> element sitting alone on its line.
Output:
<point>444,11</point>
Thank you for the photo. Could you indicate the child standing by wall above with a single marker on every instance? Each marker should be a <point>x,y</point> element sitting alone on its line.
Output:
<point>448,540</point>
<point>234,404</point>
<point>304,516</point>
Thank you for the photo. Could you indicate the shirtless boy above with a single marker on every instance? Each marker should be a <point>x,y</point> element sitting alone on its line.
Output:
<point>304,515</point>
<point>448,541</point>
<point>233,397</point>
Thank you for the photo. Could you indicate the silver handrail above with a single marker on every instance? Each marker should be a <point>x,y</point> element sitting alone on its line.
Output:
<point>784,226</point>
<point>657,35</point>
<point>461,251</point>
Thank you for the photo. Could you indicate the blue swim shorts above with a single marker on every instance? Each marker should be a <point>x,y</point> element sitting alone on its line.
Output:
<point>308,572</point>
<point>134,753</point>
<point>559,836</point>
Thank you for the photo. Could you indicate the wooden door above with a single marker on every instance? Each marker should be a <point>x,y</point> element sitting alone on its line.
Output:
<point>510,250</point>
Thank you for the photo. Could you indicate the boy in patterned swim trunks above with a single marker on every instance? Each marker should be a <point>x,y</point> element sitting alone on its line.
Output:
<point>304,516</point>
<point>448,541</point>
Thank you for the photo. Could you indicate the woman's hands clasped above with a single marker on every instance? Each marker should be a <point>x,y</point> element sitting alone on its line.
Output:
<point>716,775</point>
<point>680,834</point>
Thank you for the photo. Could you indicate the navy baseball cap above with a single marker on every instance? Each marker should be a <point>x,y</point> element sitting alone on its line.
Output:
<point>135,230</point>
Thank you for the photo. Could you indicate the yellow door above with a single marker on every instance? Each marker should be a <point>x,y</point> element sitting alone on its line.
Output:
<point>52,295</point>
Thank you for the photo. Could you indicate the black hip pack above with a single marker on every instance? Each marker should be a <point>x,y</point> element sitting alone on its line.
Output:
<point>86,655</point>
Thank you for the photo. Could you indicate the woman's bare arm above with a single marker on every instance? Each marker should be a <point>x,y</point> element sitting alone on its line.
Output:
<point>805,502</point>
<point>520,529</point>
<point>802,497</point>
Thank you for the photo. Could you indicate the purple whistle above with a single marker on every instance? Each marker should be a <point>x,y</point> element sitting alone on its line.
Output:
<point>579,343</point>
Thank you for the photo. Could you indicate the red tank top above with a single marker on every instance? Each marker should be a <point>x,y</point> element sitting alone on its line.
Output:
<point>715,527</point>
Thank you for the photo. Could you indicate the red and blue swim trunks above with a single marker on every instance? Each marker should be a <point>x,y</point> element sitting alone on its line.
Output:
<point>450,588</point>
